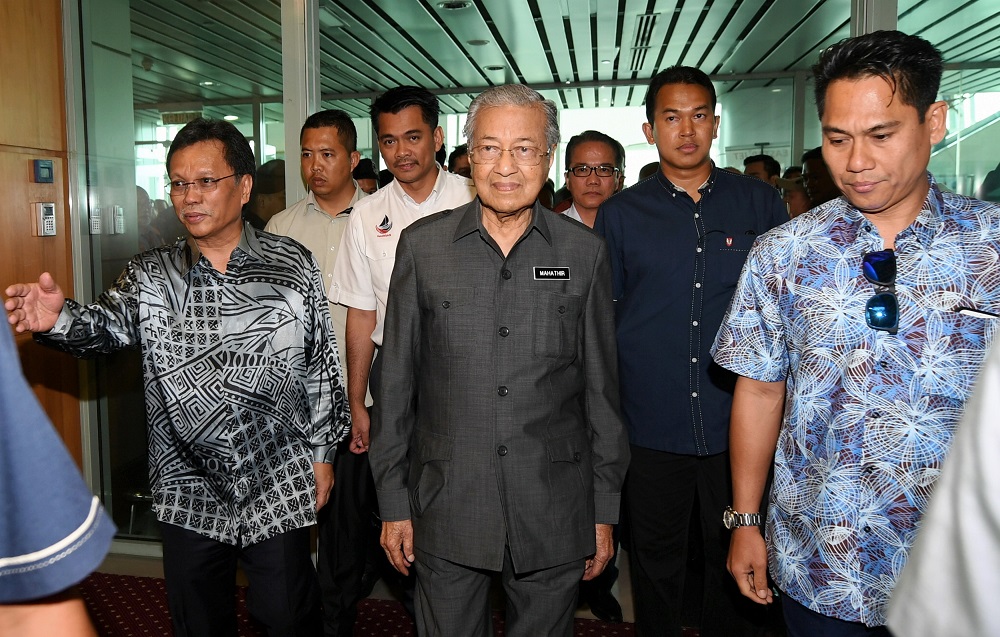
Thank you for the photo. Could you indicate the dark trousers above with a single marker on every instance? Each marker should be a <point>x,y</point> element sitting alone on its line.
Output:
<point>350,557</point>
<point>348,543</point>
<point>802,622</point>
<point>454,600</point>
<point>662,490</point>
<point>200,578</point>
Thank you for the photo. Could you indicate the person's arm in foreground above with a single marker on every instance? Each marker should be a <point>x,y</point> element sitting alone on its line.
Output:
<point>609,444</point>
<point>63,614</point>
<point>395,408</point>
<point>330,416</point>
<point>753,437</point>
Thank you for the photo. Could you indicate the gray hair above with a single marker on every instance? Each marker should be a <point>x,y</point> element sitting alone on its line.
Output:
<point>515,95</point>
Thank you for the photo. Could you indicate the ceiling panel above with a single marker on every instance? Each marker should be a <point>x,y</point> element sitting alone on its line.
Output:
<point>367,46</point>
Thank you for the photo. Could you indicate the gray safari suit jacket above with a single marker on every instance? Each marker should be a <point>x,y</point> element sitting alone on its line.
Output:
<point>497,420</point>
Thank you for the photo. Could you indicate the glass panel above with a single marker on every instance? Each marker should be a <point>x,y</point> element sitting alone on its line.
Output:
<point>966,36</point>
<point>755,119</point>
<point>159,73</point>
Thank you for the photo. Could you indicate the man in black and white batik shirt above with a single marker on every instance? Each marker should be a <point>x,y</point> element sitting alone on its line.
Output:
<point>244,395</point>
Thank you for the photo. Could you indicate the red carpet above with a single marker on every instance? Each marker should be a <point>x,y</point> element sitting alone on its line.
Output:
<point>126,606</point>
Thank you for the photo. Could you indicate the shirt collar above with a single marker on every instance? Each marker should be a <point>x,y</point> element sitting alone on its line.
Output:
<point>358,194</point>
<point>189,253</point>
<point>705,187</point>
<point>404,196</point>
<point>930,220</point>
<point>472,221</point>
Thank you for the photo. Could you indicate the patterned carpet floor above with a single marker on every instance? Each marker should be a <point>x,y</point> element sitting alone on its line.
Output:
<point>127,606</point>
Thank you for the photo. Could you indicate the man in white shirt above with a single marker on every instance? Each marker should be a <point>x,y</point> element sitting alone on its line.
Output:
<point>405,120</point>
<point>328,156</point>
<point>595,170</point>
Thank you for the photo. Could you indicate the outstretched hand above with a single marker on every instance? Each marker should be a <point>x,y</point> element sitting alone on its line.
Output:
<point>34,307</point>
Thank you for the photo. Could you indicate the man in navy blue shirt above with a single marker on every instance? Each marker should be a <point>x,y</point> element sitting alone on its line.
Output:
<point>677,242</point>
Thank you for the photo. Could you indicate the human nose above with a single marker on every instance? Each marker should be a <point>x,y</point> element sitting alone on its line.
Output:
<point>593,178</point>
<point>505,164</point>
<point>859,159</point>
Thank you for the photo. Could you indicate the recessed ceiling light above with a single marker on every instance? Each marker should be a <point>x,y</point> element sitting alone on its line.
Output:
<point>775,90</point>
<point>605,61</point>
<point>454,5</point>
<point>478,42</point>
<point>207,83</point>
<point>230,118</point>
<point>494,67</point>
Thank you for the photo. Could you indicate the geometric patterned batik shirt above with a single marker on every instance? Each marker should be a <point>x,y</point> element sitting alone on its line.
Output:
<point>243,388</point>
<point>868,415</point>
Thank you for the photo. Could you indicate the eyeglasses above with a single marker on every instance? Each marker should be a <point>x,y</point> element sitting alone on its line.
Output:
<point>522,155</point>
<point>205,184</point>
<point>602,171</point>
<point>882,310</point>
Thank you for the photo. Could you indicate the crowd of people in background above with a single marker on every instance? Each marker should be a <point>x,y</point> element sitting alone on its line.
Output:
<point>464,375</point>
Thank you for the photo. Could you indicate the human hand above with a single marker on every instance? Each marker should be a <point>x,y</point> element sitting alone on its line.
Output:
<point>605,549</point>
<point>34,307</point>
<point>747,564</point>
<point>360,427</point>
<point>397,542</point>
<point>323,473</point>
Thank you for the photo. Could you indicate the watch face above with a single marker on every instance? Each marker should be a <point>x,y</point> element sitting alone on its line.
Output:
<point>728,518</point>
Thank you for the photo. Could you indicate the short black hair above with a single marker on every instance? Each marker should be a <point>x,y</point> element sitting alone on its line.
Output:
<point>910,64</point>
<point>596,136</point>
<point>364,170</point>
<point>771,165</point>
<point>236,148</point>
<point>676,75</point>
<point>461,149</point>
<point>338,119</point>
<point>400,97</point>
<point>812,153</point>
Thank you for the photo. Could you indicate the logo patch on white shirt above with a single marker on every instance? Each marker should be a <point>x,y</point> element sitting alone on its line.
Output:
<point>554,273</point>
<point>385,226</point>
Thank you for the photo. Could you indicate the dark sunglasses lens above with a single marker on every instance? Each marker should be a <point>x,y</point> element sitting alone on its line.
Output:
<point>880,266</point>
<point>882,312</point>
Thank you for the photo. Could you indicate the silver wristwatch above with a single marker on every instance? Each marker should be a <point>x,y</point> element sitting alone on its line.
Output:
<point>733,520</point>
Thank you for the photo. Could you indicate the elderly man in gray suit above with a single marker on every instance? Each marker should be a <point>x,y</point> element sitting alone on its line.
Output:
<point>497,444</point>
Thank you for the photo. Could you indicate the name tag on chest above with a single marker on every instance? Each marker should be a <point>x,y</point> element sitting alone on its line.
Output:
<point>557,273</point>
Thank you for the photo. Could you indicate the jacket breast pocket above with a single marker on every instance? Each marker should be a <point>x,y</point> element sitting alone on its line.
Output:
<point>556,324</point>
<point>725,255</point>
<point>452,321</point>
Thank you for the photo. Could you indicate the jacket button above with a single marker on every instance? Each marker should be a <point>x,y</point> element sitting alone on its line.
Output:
<point>503,331</point>
<point>502,390</point>
<point>446,304</point>
<point>562,309</point>
<point>506,274</point>
<point>501,450</point>
<point>576,456</point>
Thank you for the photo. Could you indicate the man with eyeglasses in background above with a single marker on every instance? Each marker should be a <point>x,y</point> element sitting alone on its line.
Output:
<point>858,330</point>
<point>243,392</point>
<point>497,446</point>
<point>677,242</point>
<point>595,170</point>
<point>595,165</point>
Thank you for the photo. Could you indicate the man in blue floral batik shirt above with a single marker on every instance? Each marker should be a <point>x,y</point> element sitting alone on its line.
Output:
<point>857,329</point>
